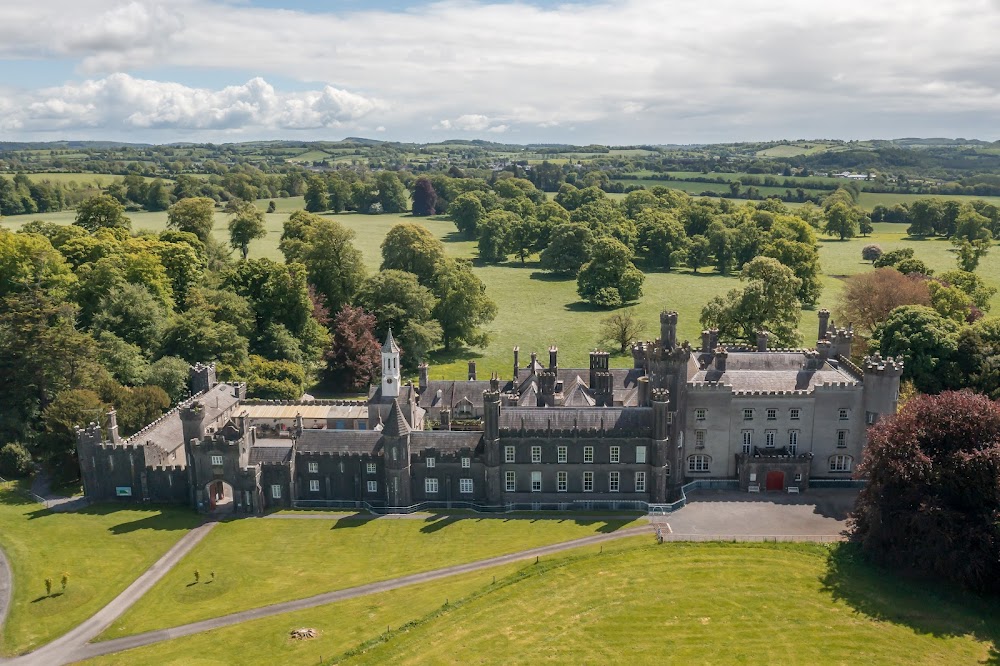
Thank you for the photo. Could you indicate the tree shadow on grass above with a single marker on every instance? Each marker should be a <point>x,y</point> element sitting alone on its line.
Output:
<point>439,521</point>
<point>544,276</point>
<point>457,353</point>
<point>926,607</point>
<point>354,520</point>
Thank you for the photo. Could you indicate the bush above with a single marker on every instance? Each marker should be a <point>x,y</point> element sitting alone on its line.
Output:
<point>871,253</point>
<point>15,461</point>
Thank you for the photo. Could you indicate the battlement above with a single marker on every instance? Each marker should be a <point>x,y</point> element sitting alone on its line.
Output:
<point>776,394</point>
<point>838,385</point>
<point>111,446</point>
<point>888,367</point>
<point>166,468</point>
<point>175,409</point>
<point>576,433</point>
<point>332,402</point>
<point>709,386</point>
<point>850,367</point>
<point>660,395</point>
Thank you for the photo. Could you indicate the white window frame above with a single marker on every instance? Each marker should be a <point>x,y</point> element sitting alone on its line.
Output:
<point>640,482</point>
<point>563,454</point>
<point>275,491</point>
<point>747,442</point>
<point>465,486</point>
<point>466,463</point>
<point>509,454</point>
<point>562,482</point>
<point>772,414</point>
<point>699,438</point>
<point>843,414</point>
<point>748,414</point>
<point>588,482</point>
<point>314,485</point>
<point>510,482</point>
<point>536,454</point>
<point>700,414</point>
<point>588,454</point>
<point>314,468</point>
<point>536,482</point>
<point>615,454</point>
<point>431,485</point>
<point>431,463</point>
<point>614,482</point>
<point>841,439</point>
<point>841,463</point>
<point>218,461</point>
<point>373,486</point>
<point>793,414</point>
<point>371,468</point>
<point>793,442</point>
<point>640,455</point>
<point>769,438</point>
<point>699,463</point>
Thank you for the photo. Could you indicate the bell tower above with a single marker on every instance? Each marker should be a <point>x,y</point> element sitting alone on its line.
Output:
<point>390,368</point>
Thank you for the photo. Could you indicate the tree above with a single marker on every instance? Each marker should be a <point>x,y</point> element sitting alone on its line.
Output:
<point>495,235</point>
<point>400,302</point>
<point>950,302</point>
<point>871,253</point>
<point>868,298</point>
<point>526,236</point>
<point>913,267</point>
<point>925,341</point>
<point>15,461</point>
<point>195,215</point>
<point>803,259</point>
<point>925,217</point>
<point>271,206</point>
<point>972,285</point>
<point>621,329</point>
<point>245,225</point>
<point>157,196</point>
<point>140,406</point>
<point>124,361</point>
<point>661,238</point>
<point>609,278</point>
<point>325,246</point>
<point>768,302</point>
<point>893,257</point>
<point>841,220</point>
<point>932,497</point>
<point>317,199</point>
<point>170,373</point>
<point>720,242</point>
<point>412,248</point>
<point>865,224</point>
<point>467,212</point>
<point>424,197</point>
<point>699,253</point>
<point>392,196</point>
<point>197,336</point>
<point>101,212</point>
<point>462,305</point>
<point>71,409</point>
<point>28,261</point>
<point>568,249</point>
<point>354,357</point>
<point>969,253</point>
<point>274,380</point>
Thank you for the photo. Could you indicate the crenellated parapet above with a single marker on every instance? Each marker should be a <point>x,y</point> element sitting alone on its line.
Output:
<point>886,367</point>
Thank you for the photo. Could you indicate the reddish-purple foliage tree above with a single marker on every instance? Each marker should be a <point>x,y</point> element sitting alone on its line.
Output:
<point>355,355</point>
<point>424,197</point>
<point>932,503</point>
<point>320,312</point>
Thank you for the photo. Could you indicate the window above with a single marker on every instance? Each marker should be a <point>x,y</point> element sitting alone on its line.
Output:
<point>371,468</point>
<point>588,454</point>
<point>314,468</point>
<point>870,418</point>
<point>508,454</point>
<point>840,463</point>
<point>748,415</point>
<point>536,482</point>
<point>562,451</point>
<point>275,491</point>
<point>562,481</point>
<point>698,463</point>
<point>666,469</point>
<point>700,414</point>
<point>670,418</point>
<point>640,454</point>
<point>841,439</point>
<point>616,454</point>
<point>747,441</point>
<point>793,414</point>
<point>536,454</point>
<point>588,482</point>
<point>314,485</point>
<point>772,414</point>
<point>614,482</point>
<point>430,485</point>
<point>798,477</point>
<point>842,414</point>
<point>699,439</point>
<point>373,486</point>
<point>431,463</point>
<point>793,441</point>
<point>640,482</point>
<point>216,461</point>
<point>510,482</point>
<point>465,486</point>
<point>340,424</point>
<point>769,439</point>
<point>466,463</point>
<point>362,425</point>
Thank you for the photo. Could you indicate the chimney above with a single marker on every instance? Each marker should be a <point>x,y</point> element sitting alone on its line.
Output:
<point>553,361</point>
<point>113,426</point>
<point>534,360</point>
<point>643,392</point>
<point>824,323</point>
<point>720,359</point>
<point>824,347</point>
<point>706,342</point>
<point>516,367</point>
<point>713,338</point>
<point>472,371</point>
<point>424,379</point>
<point>762,337</point>
<point>668,329</point>
<point>446,419</point>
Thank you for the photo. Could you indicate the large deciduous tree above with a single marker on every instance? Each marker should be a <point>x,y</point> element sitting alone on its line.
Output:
<point>609,279</point>
<point>101,212</point>
<point>621,329</point>
<point>354,357</point>
<point>412,248</point>
<point>769,301</point>
<point>316,197</point>
<point>932,500</point>
<point>399,301</point>
<point>868,298</point>
<point>424,197</point>
<point>568,249</point>
<point>334,265</point>
<point>392,195</point>
<point>195,215</point>
<point>462,307</point>
<point>926,341</point>
<point>245,225</point>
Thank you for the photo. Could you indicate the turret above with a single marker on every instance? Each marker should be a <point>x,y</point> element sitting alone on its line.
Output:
<point>193,422</point>
<point>472,371</point>
<point>396,451</point>
<point>553,358</point>
<point>661,413</point>
<point>881,386</point>
<point>390,367</point>
<point>824,323</point>
<point>424,381</point>
<point>642,391</point>
<point>638,356</point>
<point>491,441</point>
<point>842,339</point>
<point>668,329</point>
<point>517,368</point>
<point>202,377</point>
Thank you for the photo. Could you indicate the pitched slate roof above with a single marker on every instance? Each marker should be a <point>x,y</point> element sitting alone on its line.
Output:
<point>611,419</point>
<point>771,371</point>
<point>395,425</point>
<point>271,452</point>
<point>442,440</point>
<point>168,432</point>
<point>339,441</point>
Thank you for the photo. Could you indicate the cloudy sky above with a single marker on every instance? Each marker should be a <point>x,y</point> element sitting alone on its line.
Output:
<point>613,71</point>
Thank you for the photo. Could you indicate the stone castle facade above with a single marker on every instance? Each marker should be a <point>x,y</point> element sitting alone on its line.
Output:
<point>772,418</point>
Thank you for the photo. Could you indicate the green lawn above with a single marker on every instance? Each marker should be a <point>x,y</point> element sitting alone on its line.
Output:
<point>103,549</point>
<point>706,604</point>
<point>265,561</point>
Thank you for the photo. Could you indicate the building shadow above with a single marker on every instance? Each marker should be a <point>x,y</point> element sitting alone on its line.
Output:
<point>829,503</point>
<point>439,521</point>
<point>927,607</point>
<point>354,520</point>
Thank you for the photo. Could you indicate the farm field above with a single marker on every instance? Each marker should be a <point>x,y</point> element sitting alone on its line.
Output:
<point>98,179</point>
<point>264,561</point>
<point>103,548</point>
<point>672,603</point>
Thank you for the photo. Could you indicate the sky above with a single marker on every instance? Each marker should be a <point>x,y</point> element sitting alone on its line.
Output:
<point>616,72</point>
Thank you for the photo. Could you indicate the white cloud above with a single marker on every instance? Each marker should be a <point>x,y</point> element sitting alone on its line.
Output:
<point>625,70</point>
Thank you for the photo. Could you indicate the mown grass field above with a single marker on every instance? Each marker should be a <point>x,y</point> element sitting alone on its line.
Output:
<point>103,549</point>
<point>628,602</point>
<point>266,561</point>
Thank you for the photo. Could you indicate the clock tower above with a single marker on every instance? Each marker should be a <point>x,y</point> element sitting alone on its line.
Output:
<point>390,368</point>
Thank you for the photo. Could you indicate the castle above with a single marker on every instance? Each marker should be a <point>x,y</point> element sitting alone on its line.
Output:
<point>771,418</point>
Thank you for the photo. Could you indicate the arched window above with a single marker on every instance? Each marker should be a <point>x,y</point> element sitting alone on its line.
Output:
<point>699,463</point>
<point>666,468</point>
<point>841,463</point>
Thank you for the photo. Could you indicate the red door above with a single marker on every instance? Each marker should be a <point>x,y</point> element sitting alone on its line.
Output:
<point>776,481</point>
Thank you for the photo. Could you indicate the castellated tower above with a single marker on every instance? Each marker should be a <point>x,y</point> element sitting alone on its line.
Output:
<point>491,441</point>
<point>881,386</point>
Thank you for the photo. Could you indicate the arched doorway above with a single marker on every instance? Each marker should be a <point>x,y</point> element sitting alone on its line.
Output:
<point>775,480</point>
<point>219,496</point>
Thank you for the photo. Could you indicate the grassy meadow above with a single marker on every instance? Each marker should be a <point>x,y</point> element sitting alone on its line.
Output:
<point>103,548</point>
<point>272,560</point>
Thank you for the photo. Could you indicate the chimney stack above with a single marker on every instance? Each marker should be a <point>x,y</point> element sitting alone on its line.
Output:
<point>720,359</point>
<point>472,371</point>
<point>762,337</point>
<point>424,380</point>
<point>824,323</point>
<point>553,360</point>
<point>706,342</point>
<point>516,366</point>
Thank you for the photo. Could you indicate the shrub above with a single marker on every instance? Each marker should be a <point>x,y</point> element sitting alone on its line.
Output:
<point>871,253</point>
<point>15,461</point>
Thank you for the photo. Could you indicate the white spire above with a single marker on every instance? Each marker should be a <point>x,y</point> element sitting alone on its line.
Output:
<point>390,368</point>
